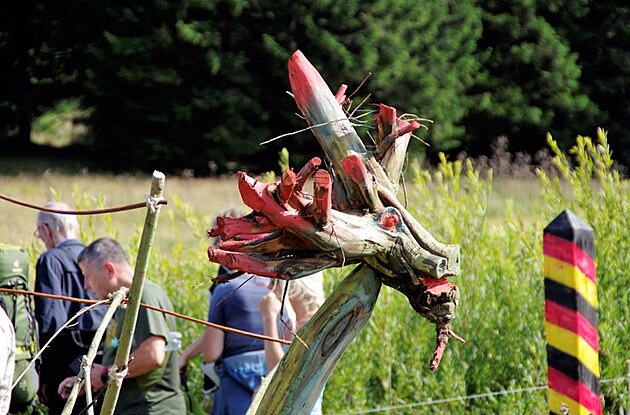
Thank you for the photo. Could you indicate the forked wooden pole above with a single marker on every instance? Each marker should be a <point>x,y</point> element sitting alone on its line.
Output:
<point>84,373</point>
<point>137,286</point>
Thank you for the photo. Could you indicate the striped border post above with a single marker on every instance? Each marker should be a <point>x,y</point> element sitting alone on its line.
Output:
<point>571,317</point>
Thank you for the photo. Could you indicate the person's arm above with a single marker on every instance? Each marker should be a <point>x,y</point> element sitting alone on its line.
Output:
<point>147,356</point>
<point>212,345</point>
<point>270,308</point>
<point>191,351</point>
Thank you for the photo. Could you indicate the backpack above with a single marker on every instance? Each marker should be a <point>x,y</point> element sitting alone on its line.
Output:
<point>14,269</point>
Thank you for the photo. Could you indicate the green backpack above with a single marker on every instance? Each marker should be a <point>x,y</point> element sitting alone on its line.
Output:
<point>14,266</point>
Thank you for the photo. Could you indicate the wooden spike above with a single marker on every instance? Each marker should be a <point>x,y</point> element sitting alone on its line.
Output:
<point>322,197</point>
<point>306,172</point>
<point>286,186</point>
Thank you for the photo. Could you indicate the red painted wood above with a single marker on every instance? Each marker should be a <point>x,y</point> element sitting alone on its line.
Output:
<point>305,81</point>
<point>572,321</point>
<point>256,195</point>
<point>251,192</point>
<point>286,186</point>
<point>407,127</point>
<point>568,252</point>
<point>437,286</point>
<point>340,96</point>
<point>385,120</point>
<point>354,167</point>
<point>322,197</point>
<point>574,390</point>
<point>389,221</point>
<point>243,262</point>
<point>228,228</point>
<point>306,172</point>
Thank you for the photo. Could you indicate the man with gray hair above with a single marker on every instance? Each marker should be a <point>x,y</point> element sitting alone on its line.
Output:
<point>58,273</point>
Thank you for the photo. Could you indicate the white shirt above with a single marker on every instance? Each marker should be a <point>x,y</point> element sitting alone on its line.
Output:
<point>7,360</point>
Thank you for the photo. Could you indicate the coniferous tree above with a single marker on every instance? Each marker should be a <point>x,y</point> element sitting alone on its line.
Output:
<point>419,54</point>
<point>530,82</point>
<point>167,88</point>
<point>205,80</point>
<point>41,47</point>
<point>599,32</point>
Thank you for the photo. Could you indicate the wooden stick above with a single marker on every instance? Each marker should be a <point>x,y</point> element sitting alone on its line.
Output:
<point>335,133</point>
<point>41,350</point>
<point>135,295</point>
<point>86,364</point>
<point>322,197</point>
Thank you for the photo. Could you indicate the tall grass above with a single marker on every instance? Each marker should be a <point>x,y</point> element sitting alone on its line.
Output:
<point>501,312</point>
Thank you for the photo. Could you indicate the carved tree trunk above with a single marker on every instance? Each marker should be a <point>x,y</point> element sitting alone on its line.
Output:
<point>352,216</point>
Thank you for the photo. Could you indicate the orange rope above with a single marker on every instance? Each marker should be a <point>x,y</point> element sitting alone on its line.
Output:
<point>150,307</point>
<point>82,212</point>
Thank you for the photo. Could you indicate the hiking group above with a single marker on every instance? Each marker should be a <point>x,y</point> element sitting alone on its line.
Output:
<point>233,364</point>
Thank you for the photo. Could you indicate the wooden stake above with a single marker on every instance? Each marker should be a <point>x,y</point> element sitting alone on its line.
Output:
<point>571,316</point>
<point>135,295</point>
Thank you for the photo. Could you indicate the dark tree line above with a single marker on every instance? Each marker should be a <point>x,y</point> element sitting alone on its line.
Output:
<point>197,83</point>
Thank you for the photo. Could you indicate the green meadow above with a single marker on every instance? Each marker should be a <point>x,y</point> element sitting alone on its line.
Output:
<point>496,218</point>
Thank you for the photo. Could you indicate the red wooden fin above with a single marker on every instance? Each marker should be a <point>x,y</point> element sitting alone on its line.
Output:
<point>251,191</point>
<point>306,172</point>
<point>385,120</point>
<point>340,96</point>
<point>242,262</point>
<point>322,197</point>
<point>286,186</point>
<point>228,228</point>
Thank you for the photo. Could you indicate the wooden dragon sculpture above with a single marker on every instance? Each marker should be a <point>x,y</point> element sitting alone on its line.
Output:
<point>351,217</point>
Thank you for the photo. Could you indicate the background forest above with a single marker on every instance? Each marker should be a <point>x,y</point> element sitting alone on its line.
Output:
<point>198,84</point>
<point>192,87</point>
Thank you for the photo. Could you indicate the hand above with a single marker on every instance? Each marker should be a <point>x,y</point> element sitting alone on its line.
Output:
<point>182,362</point>
<point>65,387</point>
<point>269,307</point>
<point>95,377</point>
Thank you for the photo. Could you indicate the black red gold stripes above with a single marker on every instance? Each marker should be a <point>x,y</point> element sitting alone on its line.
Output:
<point>571,316</point>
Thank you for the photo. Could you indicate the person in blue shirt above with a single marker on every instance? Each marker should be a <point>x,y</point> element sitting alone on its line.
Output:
<point>57,272</point>
<point>239,360</point>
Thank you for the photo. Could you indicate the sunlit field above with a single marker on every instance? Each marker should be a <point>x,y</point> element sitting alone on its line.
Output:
<point>498,223</point>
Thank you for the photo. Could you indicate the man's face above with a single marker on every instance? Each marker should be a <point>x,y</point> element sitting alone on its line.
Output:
<point>44,233</point>
<point>97,279</point>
